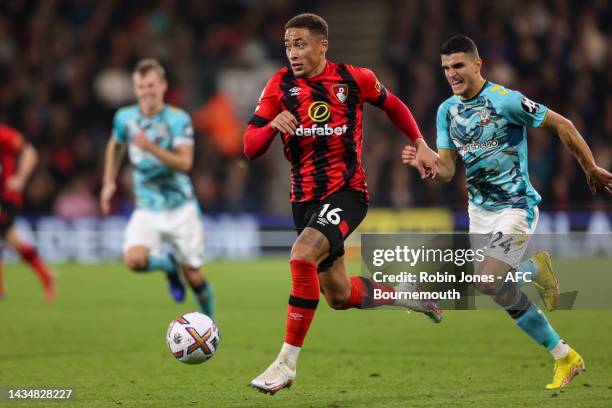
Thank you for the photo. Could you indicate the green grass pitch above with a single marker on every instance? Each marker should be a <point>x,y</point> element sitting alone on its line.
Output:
<point>105,338</point>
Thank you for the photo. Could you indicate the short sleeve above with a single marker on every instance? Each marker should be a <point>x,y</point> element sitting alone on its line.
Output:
<point>182,130</point>
<point>119,131</point>
<point>522,111</point>
<point>372,90</point>
<point>443,139</point>
<point>268,105</point>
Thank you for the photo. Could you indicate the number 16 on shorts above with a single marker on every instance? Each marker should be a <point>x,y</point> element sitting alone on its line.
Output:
<point>332,216</point>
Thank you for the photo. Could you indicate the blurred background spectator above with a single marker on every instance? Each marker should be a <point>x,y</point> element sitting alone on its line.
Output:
<point>65,67</point>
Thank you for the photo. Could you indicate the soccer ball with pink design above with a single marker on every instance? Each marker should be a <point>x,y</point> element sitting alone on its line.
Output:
<point>193,338</point>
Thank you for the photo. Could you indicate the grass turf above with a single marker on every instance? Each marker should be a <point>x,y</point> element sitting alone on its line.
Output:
<point>105,338</point>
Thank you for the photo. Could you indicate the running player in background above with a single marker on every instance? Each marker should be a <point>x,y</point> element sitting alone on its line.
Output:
<point>160,144</point>
<point>485,124</point>
<point>18,159</point>
<point>317,106</point>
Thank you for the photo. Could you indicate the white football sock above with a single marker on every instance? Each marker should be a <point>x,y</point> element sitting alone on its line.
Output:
<point>560,350</point>
<point>289,354</point>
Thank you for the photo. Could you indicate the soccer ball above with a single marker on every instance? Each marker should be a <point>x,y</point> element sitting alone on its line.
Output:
<point>192,338</point>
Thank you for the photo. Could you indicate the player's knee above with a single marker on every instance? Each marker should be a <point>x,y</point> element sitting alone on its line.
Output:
<point>26,252</point>
<point>310,246</point>
<point>336,296</point>
<point>194,276</point>
<point>135,262</point>
<point>506,296</point>
<point>304,252</point>
<point>487,288</point>
<point>191,272</point>
<point>337,300</point>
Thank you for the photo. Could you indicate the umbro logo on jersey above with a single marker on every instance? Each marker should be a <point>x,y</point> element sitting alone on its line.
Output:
<point>295,91</point>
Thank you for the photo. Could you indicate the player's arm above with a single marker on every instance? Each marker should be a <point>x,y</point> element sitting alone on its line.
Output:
<point>257,140</point>
<point>524,112</point>
<point>446,165</point>
<point>446,162</point>
<point>399,114</point>
<point>447,154</point>
<point>597,177</point>
<point>28,158</point>
<point>180,158</point>
<point>267,120</point>
<point>113,156</point>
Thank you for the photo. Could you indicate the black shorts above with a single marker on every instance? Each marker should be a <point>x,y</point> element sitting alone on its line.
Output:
<point>336,217</point>
<point>7,216</point>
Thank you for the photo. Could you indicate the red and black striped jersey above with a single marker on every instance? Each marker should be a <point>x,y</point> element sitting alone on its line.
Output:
<point>11,143</point>
<point>325,151</point>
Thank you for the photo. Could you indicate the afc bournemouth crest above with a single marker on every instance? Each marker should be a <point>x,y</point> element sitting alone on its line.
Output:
<point>340,92</point>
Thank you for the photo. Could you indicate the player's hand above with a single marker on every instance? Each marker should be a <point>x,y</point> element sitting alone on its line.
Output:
<point>15,183</point>
<point>426,160</point>
<point>284,122</point>
<point>106,195</point>
<point>142,140</point>
<point>599,179</point>
<point>409,156</point>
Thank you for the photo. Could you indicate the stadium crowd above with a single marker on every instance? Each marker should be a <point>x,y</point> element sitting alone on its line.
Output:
<point>65,67</point>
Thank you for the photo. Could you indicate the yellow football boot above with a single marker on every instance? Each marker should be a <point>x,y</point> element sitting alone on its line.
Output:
<point>566,369</point>
<point>545,281</point>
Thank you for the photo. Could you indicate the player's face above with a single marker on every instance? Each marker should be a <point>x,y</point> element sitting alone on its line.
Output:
<point>305,52</point>
<point>149,90</point>
<point>462,72</point>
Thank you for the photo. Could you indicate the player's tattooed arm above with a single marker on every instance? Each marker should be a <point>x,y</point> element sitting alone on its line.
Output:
<point>446,162</point>
<point>597,177</point>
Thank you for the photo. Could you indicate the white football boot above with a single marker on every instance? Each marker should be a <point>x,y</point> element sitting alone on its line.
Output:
<point>428,307</point>
<point>277,376</point>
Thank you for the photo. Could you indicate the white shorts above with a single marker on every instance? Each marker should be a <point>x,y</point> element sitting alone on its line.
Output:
<point>181,227</point>
<point>505,233</point>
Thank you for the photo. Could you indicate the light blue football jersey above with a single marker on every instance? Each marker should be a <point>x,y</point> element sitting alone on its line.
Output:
<point>157,187</point>
<point>489,133</point>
